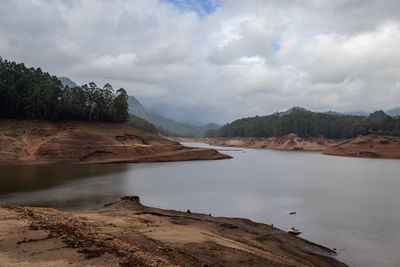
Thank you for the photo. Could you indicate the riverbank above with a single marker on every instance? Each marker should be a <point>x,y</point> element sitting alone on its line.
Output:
<point>370,146</point>
<point>287,142</point>
<point>35,142</point>
<point>126,233</point>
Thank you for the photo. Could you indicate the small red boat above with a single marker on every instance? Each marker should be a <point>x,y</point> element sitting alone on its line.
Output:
<point>294,231</point>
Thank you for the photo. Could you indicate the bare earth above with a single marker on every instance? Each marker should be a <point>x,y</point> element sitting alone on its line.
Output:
<point>288,142</point>
<point>125,233</point>
<point>370,146</point>
<point>33,142</point>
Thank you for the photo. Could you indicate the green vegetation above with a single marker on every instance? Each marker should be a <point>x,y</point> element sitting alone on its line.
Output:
<point>29,93</point>
<point>141,124</point>
<point>306,123</point>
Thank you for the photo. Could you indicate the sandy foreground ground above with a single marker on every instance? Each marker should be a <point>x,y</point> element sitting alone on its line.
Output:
<point>125,233</point>
<point>35,142</point>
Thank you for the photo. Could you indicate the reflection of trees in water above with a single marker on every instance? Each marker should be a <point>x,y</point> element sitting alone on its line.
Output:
<point>36,177</point>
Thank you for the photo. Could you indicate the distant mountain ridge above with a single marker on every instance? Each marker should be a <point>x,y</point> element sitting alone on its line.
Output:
<point>67,81</point>
<point>305,123</point>
<point>393,112</point>
<point>173,127</point>
<point>165,126</point>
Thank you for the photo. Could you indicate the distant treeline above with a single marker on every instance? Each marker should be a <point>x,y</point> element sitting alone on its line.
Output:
<point>29,93</point>
<point>306,123</point>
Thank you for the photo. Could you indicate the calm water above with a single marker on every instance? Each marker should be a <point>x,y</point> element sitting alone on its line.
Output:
<point>349,204</point>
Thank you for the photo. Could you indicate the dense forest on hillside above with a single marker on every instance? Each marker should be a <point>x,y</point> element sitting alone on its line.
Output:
<point>29,93</point>
<point>306,123</point>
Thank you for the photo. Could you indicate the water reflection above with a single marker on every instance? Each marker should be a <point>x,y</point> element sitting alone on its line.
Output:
<point>67,187</point>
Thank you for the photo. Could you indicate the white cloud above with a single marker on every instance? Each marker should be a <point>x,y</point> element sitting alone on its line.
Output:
<point>244,58</point>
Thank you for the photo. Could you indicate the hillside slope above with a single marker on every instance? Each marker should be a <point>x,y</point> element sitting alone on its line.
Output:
<point>176,128</point>
<point>307,123</point>
<point>23,142</point>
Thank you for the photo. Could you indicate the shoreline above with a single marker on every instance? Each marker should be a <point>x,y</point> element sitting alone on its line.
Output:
<point>41,142</point>
<point>126,233</point>
<point>370,146</point>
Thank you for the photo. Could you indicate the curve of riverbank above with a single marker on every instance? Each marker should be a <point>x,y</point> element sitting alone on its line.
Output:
<point>33,142</point>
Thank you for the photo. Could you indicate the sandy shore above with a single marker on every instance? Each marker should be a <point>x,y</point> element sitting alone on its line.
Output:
<point>288,142</point>
<point>35,142</point>
<point>125,233</point>
<point>370,146</point>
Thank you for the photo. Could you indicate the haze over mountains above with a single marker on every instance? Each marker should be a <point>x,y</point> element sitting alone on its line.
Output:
<point>165,126</point>
<point>171,127</point>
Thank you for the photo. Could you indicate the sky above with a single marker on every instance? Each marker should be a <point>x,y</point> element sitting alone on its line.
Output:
<point>216,60</point>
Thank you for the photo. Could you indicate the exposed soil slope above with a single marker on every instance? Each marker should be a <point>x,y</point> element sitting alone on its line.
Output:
<point>43,142</point>
<point>126,233</point>
<point>288,142</point>
<point>370,146</point>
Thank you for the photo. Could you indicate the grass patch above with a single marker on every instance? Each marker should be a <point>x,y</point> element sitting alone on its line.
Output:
<point>135,129</point>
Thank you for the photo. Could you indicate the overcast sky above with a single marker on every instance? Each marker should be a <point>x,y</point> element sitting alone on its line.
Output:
<point>216,61</point>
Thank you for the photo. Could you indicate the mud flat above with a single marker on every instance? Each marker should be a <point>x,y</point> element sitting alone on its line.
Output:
<point>126,233</point>
<point>34,142</point>
<point>370,146</point>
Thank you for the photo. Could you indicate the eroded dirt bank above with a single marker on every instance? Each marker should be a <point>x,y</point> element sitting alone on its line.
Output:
<point>125,233</point>
<point>31,142</point>
<point>370,146</point>
<point>288,142</point>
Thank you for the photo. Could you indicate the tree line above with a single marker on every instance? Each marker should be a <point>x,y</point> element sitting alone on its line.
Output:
<point>306,123</point>
<point>29,93</point>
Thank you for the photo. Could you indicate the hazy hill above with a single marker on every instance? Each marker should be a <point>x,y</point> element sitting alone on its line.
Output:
<point>378,115</point>
<point>356,113</point>
<point>146,120</point>
<point>67,81</point>
<point>173,127</point>
<point>393,112</point>
<point>307,123</point>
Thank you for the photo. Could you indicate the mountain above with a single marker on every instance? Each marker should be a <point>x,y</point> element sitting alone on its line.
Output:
<point>169,127</point>
<point>305,123</point>
<point>378,116</point>
<point>393,112</point>
<point>141,124</point>
<point>67,81</point>
<point>356,113</point>
<point>292,110</point>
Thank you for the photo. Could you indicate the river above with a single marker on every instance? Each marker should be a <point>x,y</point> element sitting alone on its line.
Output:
<point>350,204</point>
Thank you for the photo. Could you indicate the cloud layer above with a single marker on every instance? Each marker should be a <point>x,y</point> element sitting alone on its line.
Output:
<point>215,61</point>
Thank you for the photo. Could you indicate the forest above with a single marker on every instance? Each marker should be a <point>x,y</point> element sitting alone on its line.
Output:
<point>307,123</point>
<point>29,93</point>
